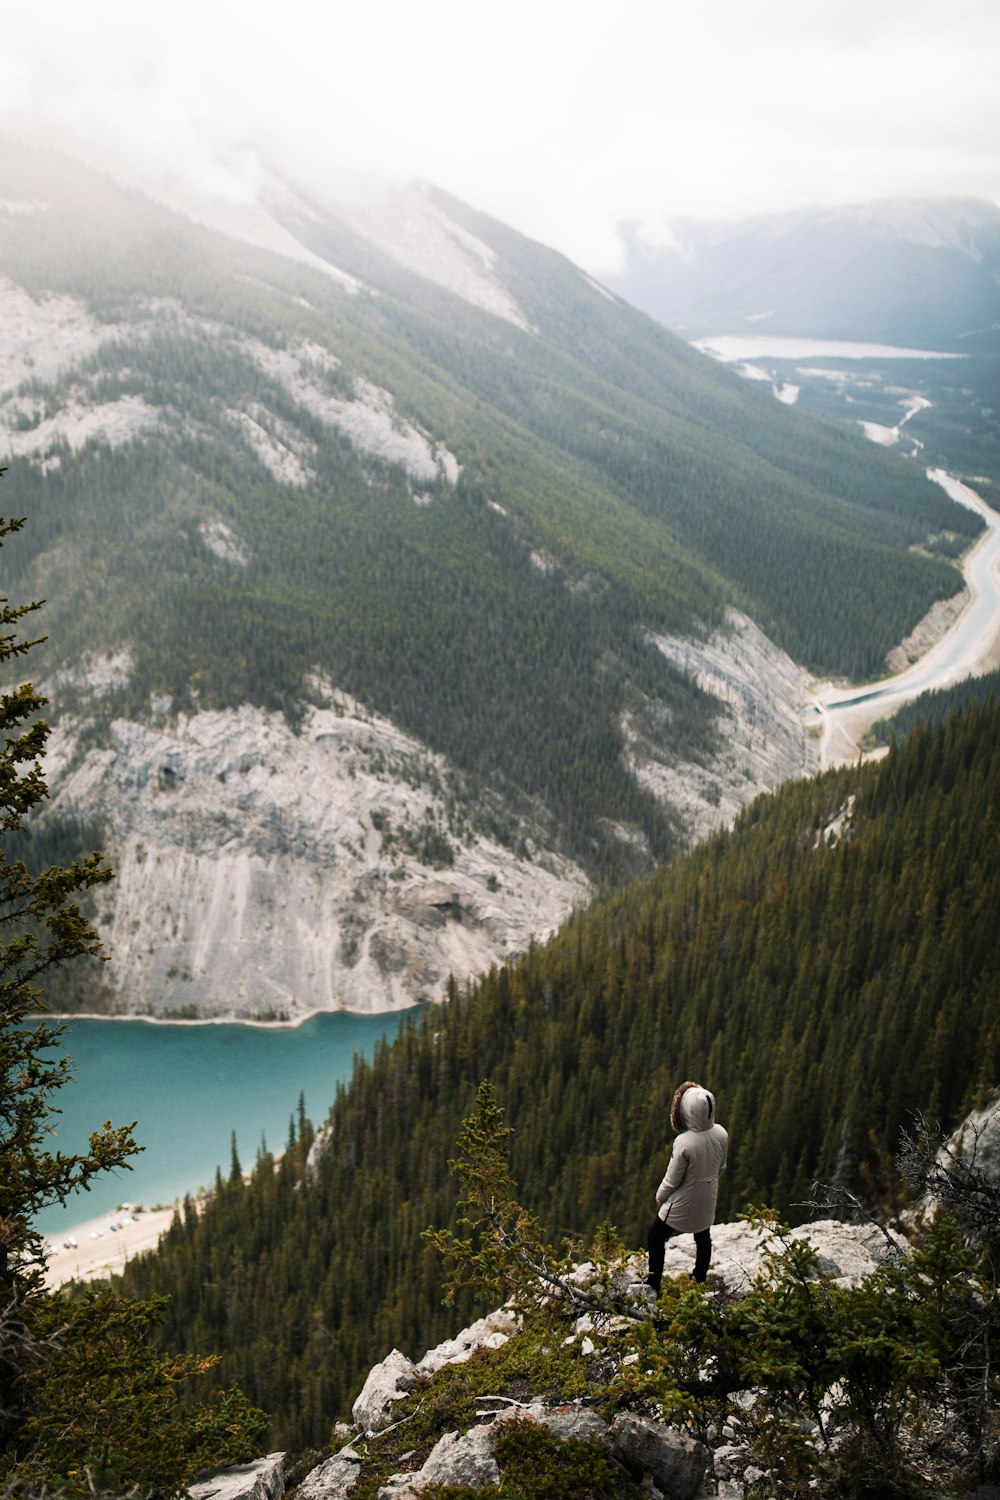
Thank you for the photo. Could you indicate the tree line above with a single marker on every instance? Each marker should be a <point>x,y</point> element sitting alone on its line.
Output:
<point>827,967</point>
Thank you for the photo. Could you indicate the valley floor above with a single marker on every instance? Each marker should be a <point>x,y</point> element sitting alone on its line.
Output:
<point>968,647</point>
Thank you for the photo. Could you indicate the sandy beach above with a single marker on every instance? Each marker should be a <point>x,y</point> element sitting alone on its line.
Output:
<point>100,1249</point>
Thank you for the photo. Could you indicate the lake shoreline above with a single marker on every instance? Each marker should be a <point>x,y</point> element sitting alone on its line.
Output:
<point>100,1251</point>
<point>258,1025</point>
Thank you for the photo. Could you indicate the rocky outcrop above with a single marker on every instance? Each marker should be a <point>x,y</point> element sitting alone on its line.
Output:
<point>388,1381</point>
<point>262,1480</point>
<point>763,739</point>
<point>269,872</point>
<point>666,1461</point>
<point>675,1462</point>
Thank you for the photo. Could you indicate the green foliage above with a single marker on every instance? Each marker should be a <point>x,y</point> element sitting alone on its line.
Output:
<point>42,928</point>
<point>825,990</point>
<point>106,1410</point>
<point>534,1466</point>
<point>84,1399</point>
<point>933,707</point>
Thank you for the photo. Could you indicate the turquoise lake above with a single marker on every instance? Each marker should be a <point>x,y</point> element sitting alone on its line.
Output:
<point>189,1088</point>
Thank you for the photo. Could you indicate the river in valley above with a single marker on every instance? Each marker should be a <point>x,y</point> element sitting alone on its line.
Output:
<point>844,714</point>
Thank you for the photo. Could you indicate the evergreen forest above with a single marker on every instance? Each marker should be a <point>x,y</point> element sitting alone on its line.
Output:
<point>828,966</point>
<point>936,704</point>
<point>608,484</point>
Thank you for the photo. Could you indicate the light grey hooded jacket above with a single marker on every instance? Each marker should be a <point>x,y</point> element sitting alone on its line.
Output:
<point>690,1187</point>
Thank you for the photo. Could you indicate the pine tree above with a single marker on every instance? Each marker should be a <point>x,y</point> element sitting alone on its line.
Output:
<point>41,926</point>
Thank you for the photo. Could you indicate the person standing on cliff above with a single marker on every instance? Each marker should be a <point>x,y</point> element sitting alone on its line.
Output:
<point>690,1187</point>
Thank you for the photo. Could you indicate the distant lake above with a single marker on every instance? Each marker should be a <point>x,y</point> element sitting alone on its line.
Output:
<point>189,1088</point>
<point>732,347</point>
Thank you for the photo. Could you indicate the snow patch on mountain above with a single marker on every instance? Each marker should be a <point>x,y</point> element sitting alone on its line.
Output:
<point>267,871</point>
<point>763,693</point>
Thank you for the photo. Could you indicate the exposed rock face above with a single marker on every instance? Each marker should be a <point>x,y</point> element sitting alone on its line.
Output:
<point>333,1479</point>
<point>387,1382</point>
<point>462,1458</point>
<point>675,1462</point>
<point>263,872</point>
<point>977,1139</point>
<point>763,692</point>
<point>846,1251</point>
<point>264,1479</point>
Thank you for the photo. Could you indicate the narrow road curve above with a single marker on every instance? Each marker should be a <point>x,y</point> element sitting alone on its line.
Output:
<point>967,649</point>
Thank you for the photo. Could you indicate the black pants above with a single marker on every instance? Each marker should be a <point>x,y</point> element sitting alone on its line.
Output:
<point>659,1233</point>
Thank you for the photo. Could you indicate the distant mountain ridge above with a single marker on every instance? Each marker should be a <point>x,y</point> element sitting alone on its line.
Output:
<point>910,272</point>
<point>428,508</point>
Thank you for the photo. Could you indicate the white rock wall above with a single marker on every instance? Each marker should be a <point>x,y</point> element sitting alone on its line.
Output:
<point>262,872</point>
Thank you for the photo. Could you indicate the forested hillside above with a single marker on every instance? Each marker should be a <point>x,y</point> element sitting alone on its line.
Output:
<point>240,468</point>
<point>827,967</point>
<point>934,706</point>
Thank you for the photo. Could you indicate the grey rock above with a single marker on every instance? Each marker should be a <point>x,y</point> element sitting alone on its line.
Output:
<point>461,1458</point>
<point>387,1382</point>
<point>333,1479</point>
<point>676,1461</point>
<point>399,1487</point>
<point>571,1422</point>
<point>486,1333</point>
<point>724,1458</point>
<point>264,1479</point>
<point>846,1251</point>
<point>252,876</point>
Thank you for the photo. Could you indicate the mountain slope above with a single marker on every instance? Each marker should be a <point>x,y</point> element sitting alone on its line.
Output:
<point>921,274</point>
<point>827,968</point>
<point>468,502</point>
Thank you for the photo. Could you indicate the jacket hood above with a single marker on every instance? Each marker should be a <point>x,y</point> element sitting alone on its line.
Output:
<point>693,1108</point>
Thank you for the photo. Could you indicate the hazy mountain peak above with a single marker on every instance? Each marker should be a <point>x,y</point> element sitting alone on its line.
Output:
<point>407,223</point>
<point>901,271</point>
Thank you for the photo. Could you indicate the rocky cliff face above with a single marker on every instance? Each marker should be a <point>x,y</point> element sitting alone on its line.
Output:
<point>268,873</point>
<point>764,741</point>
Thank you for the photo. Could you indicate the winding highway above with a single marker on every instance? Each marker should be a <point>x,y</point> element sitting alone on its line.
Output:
<point>968,648</point>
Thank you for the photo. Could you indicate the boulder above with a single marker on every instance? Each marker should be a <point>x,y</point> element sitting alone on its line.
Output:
<point>387,1382</point>
<point>570,1422</point>
<point>333,1479</point>
<point>846,1251</point>
<point>264,1479</point>
<point>676,1462</point>
<point>461,1458</point>
<point>977,1140</point>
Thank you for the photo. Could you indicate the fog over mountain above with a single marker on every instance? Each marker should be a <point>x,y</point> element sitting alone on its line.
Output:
<point>405,583</point>
<point>911,272</point>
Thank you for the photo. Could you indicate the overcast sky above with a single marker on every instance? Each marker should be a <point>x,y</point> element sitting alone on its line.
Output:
<point>562,119</point>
